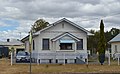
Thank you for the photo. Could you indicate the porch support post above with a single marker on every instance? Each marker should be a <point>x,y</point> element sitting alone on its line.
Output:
<point>75,47</point>
<point>55,57</point>
<point>37,61</point>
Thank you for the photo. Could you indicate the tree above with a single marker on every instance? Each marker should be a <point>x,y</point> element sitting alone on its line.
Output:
<point>94,39</point>
<point>39,24</point>
<point>93,42</point>
<point>114,32</point>
<point>101,44</point>
<point>111,34</point>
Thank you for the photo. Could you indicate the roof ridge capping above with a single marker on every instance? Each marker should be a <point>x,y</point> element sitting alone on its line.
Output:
<point>88,33</point>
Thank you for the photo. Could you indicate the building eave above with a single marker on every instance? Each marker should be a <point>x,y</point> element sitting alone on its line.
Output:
<point>113,42</point>
<point>27,37</point>
<point>66,33</point>
<point>115,39</point>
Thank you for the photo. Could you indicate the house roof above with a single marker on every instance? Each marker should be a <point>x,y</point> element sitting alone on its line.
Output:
<point>115,39</point>
<point>64,34</point>
<point>64,19</point>
<point>55,23</point>
<point>27,37</point>
<point>13,42</point>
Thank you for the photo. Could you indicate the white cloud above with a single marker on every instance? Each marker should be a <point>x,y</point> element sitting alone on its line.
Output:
<point>86,13</point>
<point>2,24</point>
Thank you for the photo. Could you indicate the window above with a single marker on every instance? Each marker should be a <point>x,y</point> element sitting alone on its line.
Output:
<point>62,25</point>
<point>65,46</point>
<point>33,45</point>
<point>45,44</point>
<point>116,49</point>
<point>80,45</point>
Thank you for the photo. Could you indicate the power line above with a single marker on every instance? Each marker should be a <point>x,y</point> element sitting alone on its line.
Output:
<point>20,34</point>
<point>115,14</point>
<point>104,17</point>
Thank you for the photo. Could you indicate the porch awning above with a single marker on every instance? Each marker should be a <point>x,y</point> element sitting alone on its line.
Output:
<point>67,41</point>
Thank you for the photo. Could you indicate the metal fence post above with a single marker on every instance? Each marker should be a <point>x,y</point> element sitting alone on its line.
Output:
<point>64,58</point>
<point>11,59</point>
<point>118,60</point>
<point>109,58</point>
<point>87,58</point>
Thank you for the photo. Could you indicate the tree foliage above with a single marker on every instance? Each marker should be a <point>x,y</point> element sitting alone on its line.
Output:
<point>94,40</point>
<point>101,44</point>
<point>39,24</point>
<point>102,41</point>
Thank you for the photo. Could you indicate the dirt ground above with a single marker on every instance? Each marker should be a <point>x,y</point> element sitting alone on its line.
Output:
<point>23,68</point>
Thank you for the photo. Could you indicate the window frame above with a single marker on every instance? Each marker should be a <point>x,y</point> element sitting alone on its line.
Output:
<point>67,44</point>
<point>33,44</point>
<point>116,51</point>
<point>79,43</point>
<point>44,46</point>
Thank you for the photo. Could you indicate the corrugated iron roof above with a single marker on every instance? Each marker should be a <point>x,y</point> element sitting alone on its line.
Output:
<point>14,42</point>
<point>53,24</point>
<point>72,23</point>
<point>115,39</point>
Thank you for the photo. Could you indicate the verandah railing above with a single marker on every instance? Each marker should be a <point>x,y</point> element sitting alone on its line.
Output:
<point>59,55</point>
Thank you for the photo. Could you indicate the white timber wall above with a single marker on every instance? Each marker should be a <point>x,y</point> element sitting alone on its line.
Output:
<point>57,30</point>
<point>113,46</point>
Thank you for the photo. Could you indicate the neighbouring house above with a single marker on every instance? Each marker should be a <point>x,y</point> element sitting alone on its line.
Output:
<point>115,45</point>
<point>11,45</point>
<point>61,42</point>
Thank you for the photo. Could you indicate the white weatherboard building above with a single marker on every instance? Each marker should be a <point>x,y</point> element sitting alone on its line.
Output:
<point>61,42</point>
<point>115,45</point>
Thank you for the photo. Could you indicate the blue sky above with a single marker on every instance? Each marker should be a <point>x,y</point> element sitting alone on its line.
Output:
<point>17,16</point>
<point>11,25</point>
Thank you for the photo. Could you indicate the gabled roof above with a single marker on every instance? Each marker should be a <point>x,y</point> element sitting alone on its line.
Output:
<point>64,19</point>
<point>55,23</point>
<point>115,39</point>
<point>64,34</point>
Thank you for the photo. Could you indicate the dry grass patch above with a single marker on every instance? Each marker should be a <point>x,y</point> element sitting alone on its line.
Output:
<point>6,68</point>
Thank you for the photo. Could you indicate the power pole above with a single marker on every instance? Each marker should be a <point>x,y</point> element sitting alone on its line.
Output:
<point>30,42</point>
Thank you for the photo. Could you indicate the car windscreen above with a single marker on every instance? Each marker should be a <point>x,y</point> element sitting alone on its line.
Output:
<point>22,53</point>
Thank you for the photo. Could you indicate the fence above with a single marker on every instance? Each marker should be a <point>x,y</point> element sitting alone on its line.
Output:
<point>61,55</point>
<point>13,58</point>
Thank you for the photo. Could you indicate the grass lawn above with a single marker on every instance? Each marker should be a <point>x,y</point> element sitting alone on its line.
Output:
<point>6,68</point>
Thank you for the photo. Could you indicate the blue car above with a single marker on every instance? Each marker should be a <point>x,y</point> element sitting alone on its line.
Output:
<point>22,56</point>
